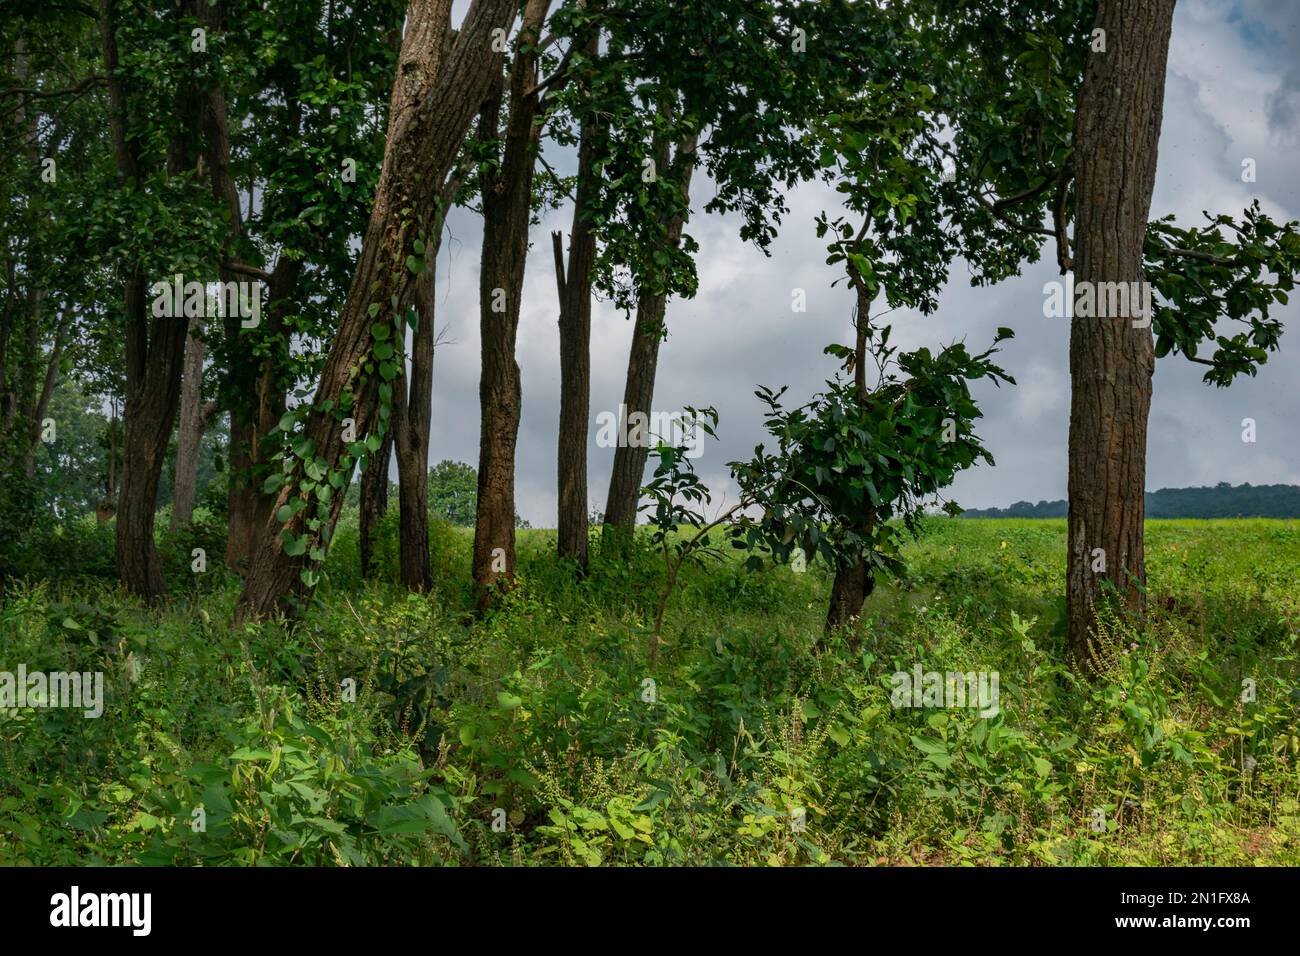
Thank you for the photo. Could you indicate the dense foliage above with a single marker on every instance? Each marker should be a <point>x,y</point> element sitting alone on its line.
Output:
<point>547,711</point>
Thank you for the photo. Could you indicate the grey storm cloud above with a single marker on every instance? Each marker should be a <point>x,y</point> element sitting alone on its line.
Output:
<point>1231,97</point>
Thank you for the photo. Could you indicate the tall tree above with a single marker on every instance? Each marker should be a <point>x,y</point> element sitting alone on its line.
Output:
<point>573,284</point>
<point>1057,116</point>
<point>155,344</point>
<point>412,421</point>
<point>648,334</point>
<point>1112,357</point>
<point>506,194</point>
<point>354,396</point>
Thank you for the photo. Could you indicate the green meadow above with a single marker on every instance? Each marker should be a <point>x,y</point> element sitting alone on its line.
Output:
<point>387,728</point>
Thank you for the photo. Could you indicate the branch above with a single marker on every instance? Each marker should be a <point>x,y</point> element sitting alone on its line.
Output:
<point>559,185</point>
<point>242,267</point>
<point>1063,258</point>
<point>1200,256</point>
<point>1029,193</point>
<point>557,244</point>
<point>81,87</point>
<point>1008,221</point>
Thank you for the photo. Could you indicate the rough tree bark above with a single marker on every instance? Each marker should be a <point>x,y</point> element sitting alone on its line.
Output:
<point>506,196</point>
<point>189,430</point>
<point>155,347</point>
<point>643,363</point>
<point>374,502</point>
<point>574,289</point>
<point>412,420</point>
<point>425,133</point>
<point>1116,135</point>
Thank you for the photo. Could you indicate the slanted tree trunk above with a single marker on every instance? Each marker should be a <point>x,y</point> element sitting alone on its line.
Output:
<point>374,502</point>
<point>853,584</point>
<point>506,197</point>
<point>425,132</point>
<point>189,432</point>
<point>1116,136</point>
<point>642,365</point>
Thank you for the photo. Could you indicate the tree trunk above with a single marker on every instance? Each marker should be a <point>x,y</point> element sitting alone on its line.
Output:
<point>155,348</point>
<point>189,432</point>
<point>412,418</point>
<point>854,584</point>
<point>374,501</point>
<point>642,365</point>
<point>426,127</point>
<point>575,354</point>
<point>252,450</point>
<point>1116,135</point>
<point>506,197</point>
<point>154,362</point>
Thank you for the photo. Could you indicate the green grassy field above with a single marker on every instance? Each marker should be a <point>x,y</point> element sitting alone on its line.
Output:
<point>398,729</point>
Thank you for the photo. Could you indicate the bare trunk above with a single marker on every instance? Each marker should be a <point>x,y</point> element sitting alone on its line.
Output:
<point>374,502</point>
<point>642,365</point>
<point>1116,135</point>
<point>413,417</point>
<point>189,432</point>
<point>575,356</point>
<point>849,592</point>
<point>154,361</point>
<point>506,197</point>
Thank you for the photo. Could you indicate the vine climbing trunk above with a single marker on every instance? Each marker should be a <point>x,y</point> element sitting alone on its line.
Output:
<point>442,80</point>
<point>1116,136</point>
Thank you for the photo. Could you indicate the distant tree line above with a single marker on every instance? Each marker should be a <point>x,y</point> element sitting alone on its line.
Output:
<point>1221,501</point>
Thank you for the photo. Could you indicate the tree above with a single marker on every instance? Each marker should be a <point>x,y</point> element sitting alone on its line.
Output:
<point>453,486</point>
<point>648,333</point>
<point>195,415</point>
<point>853,467</point>
<point>1112,357</point>
<point>426,126</point>
<point>1056,114</point>
<point>155,344</point>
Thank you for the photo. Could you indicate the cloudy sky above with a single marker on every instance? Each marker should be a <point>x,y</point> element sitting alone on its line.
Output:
<point>1233,93</point>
